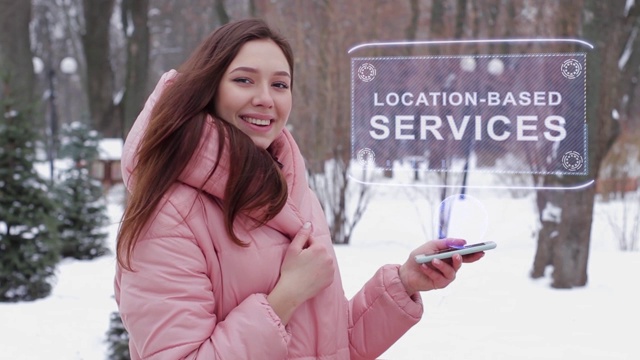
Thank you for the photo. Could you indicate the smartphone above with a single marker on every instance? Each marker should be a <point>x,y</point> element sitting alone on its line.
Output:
<point>462,250</point>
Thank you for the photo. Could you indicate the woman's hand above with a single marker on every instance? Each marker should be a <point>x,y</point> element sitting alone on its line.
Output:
<point>308,268</point>
<point>438,273</point>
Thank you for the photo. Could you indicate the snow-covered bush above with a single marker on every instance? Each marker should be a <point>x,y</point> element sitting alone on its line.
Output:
<point>29,247</point>
<point>117,339</point>
<point>82,210</point>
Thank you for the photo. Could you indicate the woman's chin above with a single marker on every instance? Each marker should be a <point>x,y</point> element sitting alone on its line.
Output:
<point>261,142</point>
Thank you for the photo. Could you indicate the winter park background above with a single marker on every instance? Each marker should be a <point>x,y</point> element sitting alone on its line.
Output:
<point>493,310</point>
<point>83,71</point>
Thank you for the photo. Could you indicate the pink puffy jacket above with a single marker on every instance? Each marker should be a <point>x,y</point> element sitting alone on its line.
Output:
<point>194,294</point>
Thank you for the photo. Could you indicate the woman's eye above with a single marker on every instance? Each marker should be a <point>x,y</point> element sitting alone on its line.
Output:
<point>242,80</point>
<point>281,85</point>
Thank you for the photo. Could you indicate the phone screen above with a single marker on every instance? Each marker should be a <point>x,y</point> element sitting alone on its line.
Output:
<point>451,250</point>
<point>454,248</point>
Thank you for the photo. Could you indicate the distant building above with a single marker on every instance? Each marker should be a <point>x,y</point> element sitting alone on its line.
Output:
<point>107,167</point>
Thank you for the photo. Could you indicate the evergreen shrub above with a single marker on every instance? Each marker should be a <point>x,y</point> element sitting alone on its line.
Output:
<point>29,246</point>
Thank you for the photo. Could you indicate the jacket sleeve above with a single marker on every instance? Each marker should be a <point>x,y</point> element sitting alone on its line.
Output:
<point>167,303</point>
<point>380,313</point>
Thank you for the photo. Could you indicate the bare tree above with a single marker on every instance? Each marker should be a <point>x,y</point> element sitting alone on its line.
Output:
<point>16,66</point>
<point>333,157</point>
<point>321,120</point>
<point>223,16</point>
<point>618,184</point>
<point>100,74</point>
<point>610,28</point>
<point>619,174</point>
<point>136,32</point>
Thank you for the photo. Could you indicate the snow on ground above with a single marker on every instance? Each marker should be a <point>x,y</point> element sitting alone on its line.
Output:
<point>492,311</point>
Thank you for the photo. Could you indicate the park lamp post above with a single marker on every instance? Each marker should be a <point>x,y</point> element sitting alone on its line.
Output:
<point>495,67</point>
<point>68,66</point>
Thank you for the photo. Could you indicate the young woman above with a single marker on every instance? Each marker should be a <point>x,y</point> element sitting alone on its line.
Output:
<point>224,251</point>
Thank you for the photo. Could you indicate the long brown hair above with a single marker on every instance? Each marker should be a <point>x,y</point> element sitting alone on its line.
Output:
<point>176,124</point>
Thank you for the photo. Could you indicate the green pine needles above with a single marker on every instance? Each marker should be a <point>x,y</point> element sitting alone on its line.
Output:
<point>82,206</point>
<point>42,222</point>
<point>117,339</point>
<point>29,245</point>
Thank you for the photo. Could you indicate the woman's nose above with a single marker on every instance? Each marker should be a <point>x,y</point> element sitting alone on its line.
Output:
<point>263,97</point>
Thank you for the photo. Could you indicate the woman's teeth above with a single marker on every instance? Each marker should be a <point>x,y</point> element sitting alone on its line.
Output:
<point>254,121</point>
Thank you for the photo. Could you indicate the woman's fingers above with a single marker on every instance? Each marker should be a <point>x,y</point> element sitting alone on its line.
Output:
<point>473,257</point>
<point>445,269</point>
<point>299,242</point>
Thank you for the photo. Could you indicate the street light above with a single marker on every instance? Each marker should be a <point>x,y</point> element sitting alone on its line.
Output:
<point>38,65</point>
<point>468,64</point>
<point>68,66</point>
<point>52,121</point>
<point>495,67</point>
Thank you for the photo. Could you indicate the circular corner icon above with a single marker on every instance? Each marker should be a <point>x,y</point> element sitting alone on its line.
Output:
<point>572,161</point>
<point>571,69</point>
<point>367,72</point>
<point>366,157</point>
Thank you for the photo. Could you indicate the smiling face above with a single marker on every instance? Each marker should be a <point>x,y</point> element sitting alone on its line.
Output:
<point>255,92</point>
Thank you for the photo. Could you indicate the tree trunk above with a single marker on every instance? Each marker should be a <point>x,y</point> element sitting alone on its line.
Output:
<point>571,255</point>
<point>137,60</point>
<point>437,29</point>
<point>608,29</point>
<point>253,10</point>
<point>16,65</point>
<point>412,27</point>
<point>100,76</point>
<point>547,234</point>
<point>223,15</point>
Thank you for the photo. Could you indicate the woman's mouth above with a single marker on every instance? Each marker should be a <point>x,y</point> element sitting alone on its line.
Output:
<point>254,121</point>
